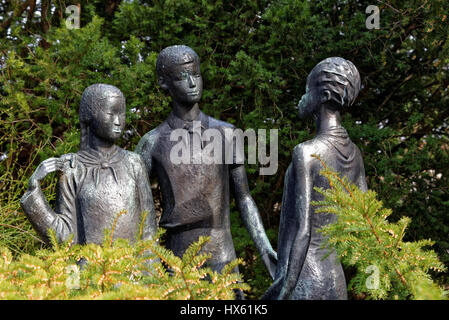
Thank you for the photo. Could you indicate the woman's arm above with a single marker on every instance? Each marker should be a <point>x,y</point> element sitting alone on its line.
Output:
<point>37,209</point>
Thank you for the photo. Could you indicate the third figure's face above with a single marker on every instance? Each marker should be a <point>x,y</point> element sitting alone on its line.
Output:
<point>109,121</point>
<point>306,104</point>
<point>186,83</point>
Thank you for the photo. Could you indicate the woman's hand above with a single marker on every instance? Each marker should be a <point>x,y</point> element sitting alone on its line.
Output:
<point>43,169</point>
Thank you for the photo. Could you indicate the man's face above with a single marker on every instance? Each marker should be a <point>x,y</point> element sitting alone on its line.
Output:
<point>109,121</point>
<point>185,83</point>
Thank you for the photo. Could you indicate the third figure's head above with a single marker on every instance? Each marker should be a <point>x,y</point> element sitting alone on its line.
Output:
<point>334,83</point>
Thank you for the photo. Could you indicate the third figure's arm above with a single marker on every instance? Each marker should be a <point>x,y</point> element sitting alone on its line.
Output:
<point>303,188</point>
<point>361,180</point>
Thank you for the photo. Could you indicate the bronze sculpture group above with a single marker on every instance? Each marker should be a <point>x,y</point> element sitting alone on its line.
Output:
<point>102,179</point>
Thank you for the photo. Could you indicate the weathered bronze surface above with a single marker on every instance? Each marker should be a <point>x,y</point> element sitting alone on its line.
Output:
<point>302,272</point>
<point>97,182</point>
<point>196,196</point>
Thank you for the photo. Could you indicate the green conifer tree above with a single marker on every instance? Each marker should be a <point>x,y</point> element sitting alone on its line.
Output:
<point>117,269</point>
<point>387,267</point>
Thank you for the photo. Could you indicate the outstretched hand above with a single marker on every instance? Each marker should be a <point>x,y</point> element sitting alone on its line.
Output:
<point>284,294</point>
<point>270,260</point>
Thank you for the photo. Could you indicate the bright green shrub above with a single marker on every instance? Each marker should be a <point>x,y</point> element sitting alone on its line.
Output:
<point>115,270</point>
<point>387,266</point>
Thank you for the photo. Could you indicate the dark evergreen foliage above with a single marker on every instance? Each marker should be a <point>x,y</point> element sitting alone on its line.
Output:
<point>255,58</point>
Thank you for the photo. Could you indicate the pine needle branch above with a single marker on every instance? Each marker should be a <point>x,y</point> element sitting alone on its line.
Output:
<point>383,246</point>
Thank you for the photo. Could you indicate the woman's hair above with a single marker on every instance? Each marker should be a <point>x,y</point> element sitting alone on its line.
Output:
<point>174,55</point>
<point>91,102</point>
<point>340,77</point>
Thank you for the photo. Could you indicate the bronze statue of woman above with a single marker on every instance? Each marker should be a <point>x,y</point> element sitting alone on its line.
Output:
<point>97,182</point>
<point>306,270</point>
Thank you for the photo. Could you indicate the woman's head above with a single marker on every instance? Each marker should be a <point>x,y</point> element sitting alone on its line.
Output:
<point>102,110</point>
<point>335,82</point>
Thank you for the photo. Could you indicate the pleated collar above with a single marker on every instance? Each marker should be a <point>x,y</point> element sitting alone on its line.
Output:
<point>99,161</point>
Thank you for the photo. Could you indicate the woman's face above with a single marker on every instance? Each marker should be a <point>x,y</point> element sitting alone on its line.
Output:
<point>109,121</point>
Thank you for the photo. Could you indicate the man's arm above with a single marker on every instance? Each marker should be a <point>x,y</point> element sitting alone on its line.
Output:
<point>144,149</point>
<point>145,200</point>
<point>251,217</point>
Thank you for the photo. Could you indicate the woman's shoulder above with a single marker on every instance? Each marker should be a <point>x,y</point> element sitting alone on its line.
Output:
<point>131,155</point>
<point>72,162</point>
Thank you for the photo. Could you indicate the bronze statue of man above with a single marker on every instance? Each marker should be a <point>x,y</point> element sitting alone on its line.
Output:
<point>97,182</point>
<point>196,196</point>
<point>305,270</point>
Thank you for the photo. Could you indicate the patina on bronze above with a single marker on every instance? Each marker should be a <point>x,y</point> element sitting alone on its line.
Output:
<point>97,182</point>
<point>196,197</point>
<point>302,272</point>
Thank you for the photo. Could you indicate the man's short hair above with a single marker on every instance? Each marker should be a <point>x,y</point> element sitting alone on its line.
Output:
<point>174,55</point>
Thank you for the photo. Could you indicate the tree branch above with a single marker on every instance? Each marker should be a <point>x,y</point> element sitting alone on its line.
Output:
<point>17,13</point>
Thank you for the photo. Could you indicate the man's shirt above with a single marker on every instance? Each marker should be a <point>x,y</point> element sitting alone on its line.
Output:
<point>195,196</point>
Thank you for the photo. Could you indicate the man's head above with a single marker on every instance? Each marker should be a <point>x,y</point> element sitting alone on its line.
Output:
<point>178,70</point>
<point>334,82</point>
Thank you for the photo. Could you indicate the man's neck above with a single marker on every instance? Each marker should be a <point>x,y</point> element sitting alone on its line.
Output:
<point>186,113</point>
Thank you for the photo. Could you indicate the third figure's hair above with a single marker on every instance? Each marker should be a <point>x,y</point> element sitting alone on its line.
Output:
<point>340,77</point>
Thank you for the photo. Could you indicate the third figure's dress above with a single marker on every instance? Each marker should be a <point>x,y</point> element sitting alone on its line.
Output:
<point>318,278</point>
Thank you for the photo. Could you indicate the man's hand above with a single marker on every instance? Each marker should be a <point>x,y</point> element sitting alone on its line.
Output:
<point>270,260</point>
<point>283,295</point>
